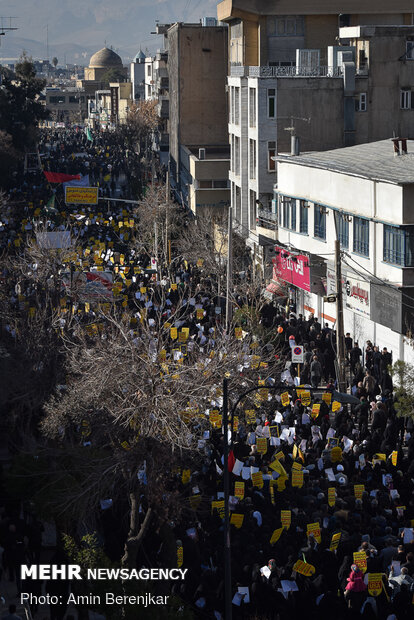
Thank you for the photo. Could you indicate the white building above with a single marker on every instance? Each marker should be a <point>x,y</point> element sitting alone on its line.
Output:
<point>138,76</point>
<point>364,196</point>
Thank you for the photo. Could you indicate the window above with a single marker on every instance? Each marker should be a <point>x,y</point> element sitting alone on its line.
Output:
<point>288,212</point>
<point>204,184</point>
<point>252,159</point>
<point>342,229</point>
<point>361,102</point>
<point>232,154</point>
<point>361,236</point>
<point>58,99</point>
<point>253,209</point>
<point>271,103</point>
<point>406,99</point>
<point>409,50</point>
<point>271,152</point>
<point>398,246</point>
<point>73,99</point>
<point>237,155</point>
<point>303,216</point>
<point>149,70</point>
<point>220,183</point>
<point>236,103</point>
<point>319,224</point>
<point>289,26</point>
<point>252,107</point>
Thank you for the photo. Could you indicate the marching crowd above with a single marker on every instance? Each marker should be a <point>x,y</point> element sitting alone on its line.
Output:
<point>322,503</point>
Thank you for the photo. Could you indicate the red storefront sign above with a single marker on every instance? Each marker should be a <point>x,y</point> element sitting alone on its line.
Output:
<point>292,268</point>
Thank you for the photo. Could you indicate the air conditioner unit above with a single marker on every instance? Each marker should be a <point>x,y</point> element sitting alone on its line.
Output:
<point>201,153</point>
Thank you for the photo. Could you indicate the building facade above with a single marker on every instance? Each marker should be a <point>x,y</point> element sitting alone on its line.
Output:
<point>362,196</point>
<point>294,84</point>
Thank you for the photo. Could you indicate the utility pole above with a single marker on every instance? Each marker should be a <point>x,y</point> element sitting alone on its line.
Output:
<point>340,348</point>
<point>227,548</point>
<point>167,202</point>
<point>229,266</point>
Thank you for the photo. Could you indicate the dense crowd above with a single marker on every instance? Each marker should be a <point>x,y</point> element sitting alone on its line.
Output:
<point>314,479</point>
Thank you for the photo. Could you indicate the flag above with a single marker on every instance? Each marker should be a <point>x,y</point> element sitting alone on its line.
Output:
<point>82,181</point>
<point>59,177</point>
<point>50,205</point>
<point>89,135</point>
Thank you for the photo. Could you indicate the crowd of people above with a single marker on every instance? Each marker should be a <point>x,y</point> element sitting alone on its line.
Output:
<point>322,503</point>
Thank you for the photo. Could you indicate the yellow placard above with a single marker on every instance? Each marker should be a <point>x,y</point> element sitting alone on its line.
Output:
<point>276,535</point>
<point>239,490</point>
<point>261,443</point>
<point>173,333</point>
<point>257,480</point>
<point>219,505</point>
<point>186,476</point>
<point>280,455</point>
<point>374,584</point>
<point>250,416</point>
<point>297,478</point>
<point>315,529</point>
<point>335,541</point>
<point>200,262</point>
<point>238,332</point>
<point>173,287</point>
<point>358,490</point>
<point>297,466</point>
<point>180,557</point>
<point>286,518</point>
<point>360,559</point>
<point>285,399</point>
<point>327,398</point>
<point>195,501</point>
<point>272,493</point>
<point>81,195</point>
<point>303,568</point>
<point>277,466</point>
<point>336,454</point>
<point>380,456</point>
<point>331,496</point>
<point>237,520</point>
<point>336,406</point>
<point>394,457</point>
<point>215,418</point>
<point>281,483</point>
<point>315,410</point>
<point>199,314</point>
<point>305,398</point>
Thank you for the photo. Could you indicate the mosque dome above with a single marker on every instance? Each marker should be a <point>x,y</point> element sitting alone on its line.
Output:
<point>105,59</point>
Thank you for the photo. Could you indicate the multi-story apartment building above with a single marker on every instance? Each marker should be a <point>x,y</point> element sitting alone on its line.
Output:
<point>291,76</point>
<point>362,196</point>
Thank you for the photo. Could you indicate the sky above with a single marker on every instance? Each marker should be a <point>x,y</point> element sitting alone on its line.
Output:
<point>77,28</point>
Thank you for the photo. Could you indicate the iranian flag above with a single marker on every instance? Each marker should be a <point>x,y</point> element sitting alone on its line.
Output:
<point>59,177</point>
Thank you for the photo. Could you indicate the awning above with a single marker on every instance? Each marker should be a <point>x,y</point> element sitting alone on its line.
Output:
<point>276,289</point>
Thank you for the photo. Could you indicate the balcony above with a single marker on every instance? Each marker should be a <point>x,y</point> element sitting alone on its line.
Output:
<point>163,107</point>
<point>286,72</point>
<point>266,219</point>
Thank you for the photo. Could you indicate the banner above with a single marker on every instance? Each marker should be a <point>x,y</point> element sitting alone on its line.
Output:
<point>87,286</point>
<point>59,177</point>
<point>291,268</point>
<point>81,195</point>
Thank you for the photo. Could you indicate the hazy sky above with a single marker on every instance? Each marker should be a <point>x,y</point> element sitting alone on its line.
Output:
<point>124,24</point>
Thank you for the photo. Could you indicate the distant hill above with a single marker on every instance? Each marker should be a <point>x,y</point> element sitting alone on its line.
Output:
<point>78,28</point>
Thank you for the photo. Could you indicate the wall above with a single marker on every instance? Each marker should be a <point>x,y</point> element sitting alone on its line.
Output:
<point>197,67</point>
<point>321,100</point>
<point>320,31</point>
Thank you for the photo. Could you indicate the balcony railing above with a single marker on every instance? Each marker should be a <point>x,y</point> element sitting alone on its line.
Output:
<point>320,71</point>
<point>266,219</point>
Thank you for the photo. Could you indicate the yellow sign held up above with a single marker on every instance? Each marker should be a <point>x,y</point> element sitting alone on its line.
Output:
<point>360,559</point>
<point>315,529</point>
<point>261,443</point>
<point>237,520</point>
<point>173,333</point>
<point>286,518</point>
<point>81,195</point>
<point>358,490</point>
<point>276,535</point>
<point>303,568</point>
<point>331,496</point>
<point>394,457</point>
<point>180,556</point>
<point>374,584</point>
<point>297,478</point>
<point>257,480</point>
<point>239,490</point>
<point>335,541</point>
<point>285,398</point>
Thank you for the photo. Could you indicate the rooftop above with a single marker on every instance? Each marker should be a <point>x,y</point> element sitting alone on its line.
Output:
<point>105,58</point>
<point>375,161</point>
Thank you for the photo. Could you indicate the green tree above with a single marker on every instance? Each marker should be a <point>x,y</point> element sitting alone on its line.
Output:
<point>113,75</point>
<point>55,61</point>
